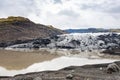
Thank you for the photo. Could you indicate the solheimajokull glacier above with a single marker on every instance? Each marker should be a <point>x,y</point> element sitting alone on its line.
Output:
<point>81,41</point>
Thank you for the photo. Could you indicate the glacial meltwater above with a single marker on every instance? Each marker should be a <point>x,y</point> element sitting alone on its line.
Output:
<point>13,62</point>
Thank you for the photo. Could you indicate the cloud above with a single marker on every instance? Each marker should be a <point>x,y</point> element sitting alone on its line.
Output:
<point>65,14</point>
<point>103,5</point>
<point>15,7</point>
<point>68,13</point>
<point>57,1</point>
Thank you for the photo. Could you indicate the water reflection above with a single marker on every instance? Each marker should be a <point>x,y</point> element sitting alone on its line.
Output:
<point>58,63</point>
<point>20,62</point>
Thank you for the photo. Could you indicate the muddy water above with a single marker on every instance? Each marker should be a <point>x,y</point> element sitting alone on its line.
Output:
<point>25,61</point>
<point>16,60</point>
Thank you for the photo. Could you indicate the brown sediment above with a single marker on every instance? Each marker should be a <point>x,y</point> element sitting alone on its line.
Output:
<point>16,60</point>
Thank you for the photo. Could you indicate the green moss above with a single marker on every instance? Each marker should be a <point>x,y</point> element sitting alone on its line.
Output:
<point>12,19</point>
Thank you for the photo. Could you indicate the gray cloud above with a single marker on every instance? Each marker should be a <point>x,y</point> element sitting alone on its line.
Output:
<point>114,9</point>
<point>69,13</point>
<point>90,6</point>
<point>110,6</point>
<point>57,1</point>
<point>99,13</point>
<point>16,7</point>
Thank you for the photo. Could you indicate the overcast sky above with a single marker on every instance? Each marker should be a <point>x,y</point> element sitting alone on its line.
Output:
<point>65,14</point>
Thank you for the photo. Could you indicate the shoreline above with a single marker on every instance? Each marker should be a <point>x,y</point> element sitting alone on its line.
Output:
<point>91,72</point>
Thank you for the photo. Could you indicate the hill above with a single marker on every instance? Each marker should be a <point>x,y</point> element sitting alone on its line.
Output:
<point>89,30</point>
<point>21,29</point>
<point>115,30</point>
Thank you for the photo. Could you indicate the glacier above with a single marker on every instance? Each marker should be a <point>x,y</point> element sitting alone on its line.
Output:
<point>81,41</point>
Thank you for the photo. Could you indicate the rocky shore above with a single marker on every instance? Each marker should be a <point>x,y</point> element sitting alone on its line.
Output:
<point>109,71</point>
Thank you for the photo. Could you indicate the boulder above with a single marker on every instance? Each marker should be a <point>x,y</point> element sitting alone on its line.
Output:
<point>113,67</point>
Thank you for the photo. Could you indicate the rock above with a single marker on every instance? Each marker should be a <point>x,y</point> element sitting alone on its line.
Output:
<point>69,76</point>
<point>101,68</point>
<point>113,67</point>
<point>36,46</point>
<point>38,78</point>
<point>41,43</point>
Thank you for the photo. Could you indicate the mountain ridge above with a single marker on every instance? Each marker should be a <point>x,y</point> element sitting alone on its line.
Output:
<point>20,28</point>
<point>91,30</point>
